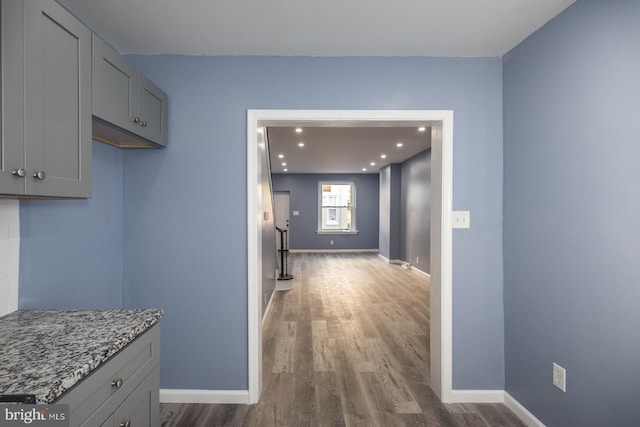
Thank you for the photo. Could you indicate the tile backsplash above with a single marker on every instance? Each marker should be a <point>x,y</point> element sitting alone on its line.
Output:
<point>9,255</point>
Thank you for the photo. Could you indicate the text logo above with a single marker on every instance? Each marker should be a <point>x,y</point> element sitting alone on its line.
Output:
<point>35,415</point>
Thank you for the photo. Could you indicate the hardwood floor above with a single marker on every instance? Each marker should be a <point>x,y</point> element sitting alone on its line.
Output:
<point>347,346</point>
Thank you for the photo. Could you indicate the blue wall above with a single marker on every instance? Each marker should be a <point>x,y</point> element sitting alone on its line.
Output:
<point>389,238</point>
<point>182,210</point>
<point>185,207</point>
<point>415,203</point>
<point>571,229</point>
<point>303,191</point>
<point>71,250</point>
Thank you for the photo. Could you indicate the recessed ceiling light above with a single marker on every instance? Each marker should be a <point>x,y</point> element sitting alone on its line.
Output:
<point>372,163</point>
<point>422,129</point>
<point>298,130</point>
<point>285,169</point>
<point>300,144</point>
<point>399,144</point>
<point>364,169</point>
<point>280,156</point>
<point>284,164</point>
<point>383,156</point>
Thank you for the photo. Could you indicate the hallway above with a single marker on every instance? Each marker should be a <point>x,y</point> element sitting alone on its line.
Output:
<point>348,345</point>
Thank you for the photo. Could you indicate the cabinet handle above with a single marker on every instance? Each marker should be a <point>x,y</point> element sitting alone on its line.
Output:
<point>143,124</point>
<point>117,383</point>
<point>135,120</point>
<point>40,175</point>
<point>20,173</point>
<point>125,423</point>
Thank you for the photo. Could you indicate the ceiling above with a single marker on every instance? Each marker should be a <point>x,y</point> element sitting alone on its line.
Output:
<point>450,28</point>
<point>316,28</point>
<point>343,149</point>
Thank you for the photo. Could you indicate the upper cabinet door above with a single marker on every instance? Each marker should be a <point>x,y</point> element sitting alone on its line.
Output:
<point>57,101</point>
<point>12,166</point>
<point>128,109</point>
<point>115,85</point>
<point>152,106</point>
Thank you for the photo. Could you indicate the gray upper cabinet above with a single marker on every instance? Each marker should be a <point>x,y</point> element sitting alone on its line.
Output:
<point>128,109</point>
<point>114,87</point>
<point>46,101</point>
<point>152,105</point>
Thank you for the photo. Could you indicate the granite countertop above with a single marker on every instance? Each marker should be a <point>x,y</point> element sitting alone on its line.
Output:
<point>46,352</point>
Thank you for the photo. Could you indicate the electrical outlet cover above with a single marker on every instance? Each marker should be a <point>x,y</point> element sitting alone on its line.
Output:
<point>461,219</point>
<point>560,377</point>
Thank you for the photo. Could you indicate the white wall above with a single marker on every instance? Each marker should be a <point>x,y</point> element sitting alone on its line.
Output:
<point>9,255</point>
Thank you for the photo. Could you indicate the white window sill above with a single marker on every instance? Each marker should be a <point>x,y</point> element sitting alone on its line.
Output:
<point>336,231</point>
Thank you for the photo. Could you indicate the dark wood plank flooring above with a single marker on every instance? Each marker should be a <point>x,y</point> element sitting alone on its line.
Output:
<point>347,346</point>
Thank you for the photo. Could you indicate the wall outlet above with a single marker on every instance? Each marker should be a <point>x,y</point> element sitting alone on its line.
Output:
<point>560,377</point>
<point>331,242</point>
<point>461,219</point>
<point>417,260</point>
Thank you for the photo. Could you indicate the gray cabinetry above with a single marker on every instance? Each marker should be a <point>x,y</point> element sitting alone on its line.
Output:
<point>128,109</point>
<point>46,98</point>
<point>125,388</point>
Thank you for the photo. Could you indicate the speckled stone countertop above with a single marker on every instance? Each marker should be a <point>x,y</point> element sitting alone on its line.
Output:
<point>46,352</point>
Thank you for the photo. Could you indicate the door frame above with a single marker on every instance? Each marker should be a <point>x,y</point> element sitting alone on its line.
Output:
<point>441,124</point>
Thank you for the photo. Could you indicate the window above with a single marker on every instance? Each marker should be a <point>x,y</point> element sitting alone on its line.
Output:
<point>336,207</point>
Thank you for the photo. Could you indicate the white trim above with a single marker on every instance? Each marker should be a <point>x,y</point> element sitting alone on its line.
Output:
<point>353,229</point>
<point>521,412</point>
<point>331,251</point>
<point>441,122</point>
<point>417,270</point>
<point>390,261</point>
<point>477,396</point>
<point>254,261</point>
<point>204,396</point>
<point>9,284</point>
<point>266,310</point>
<point>441,342</point>
<point>336,231</point>
<point>497,396</point>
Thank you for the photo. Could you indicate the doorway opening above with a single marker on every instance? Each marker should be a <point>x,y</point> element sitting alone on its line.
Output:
<point>441,125</point>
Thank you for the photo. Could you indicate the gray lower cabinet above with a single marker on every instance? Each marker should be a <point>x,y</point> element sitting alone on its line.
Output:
<point>128,109</point>
<point>45,115</point>
<point>122,392</point>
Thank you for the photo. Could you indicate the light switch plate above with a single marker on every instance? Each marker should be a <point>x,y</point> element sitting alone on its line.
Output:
<point>461,219</point>
<point>559,377</point>
<point>296,213</point>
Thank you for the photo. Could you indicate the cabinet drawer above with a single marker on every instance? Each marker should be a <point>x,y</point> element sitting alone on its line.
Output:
<point>106,388</point>
<point>142,407</point>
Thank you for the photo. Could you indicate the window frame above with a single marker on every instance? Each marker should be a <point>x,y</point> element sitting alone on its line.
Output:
<point>353,229</point>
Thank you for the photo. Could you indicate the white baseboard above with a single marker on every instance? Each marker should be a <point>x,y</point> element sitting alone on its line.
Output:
<point>331,251</point>
<point>204,396</point>
<point>266,310</point>
<point>477,396</point>
<point>521,412</point>
<point>421,272</point>
<point>496,396</point>
<point>390,261</point>
<point>400,262</point>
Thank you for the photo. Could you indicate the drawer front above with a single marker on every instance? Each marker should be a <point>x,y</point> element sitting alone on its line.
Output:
<point>106,388</point>
<point>142,407</point>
